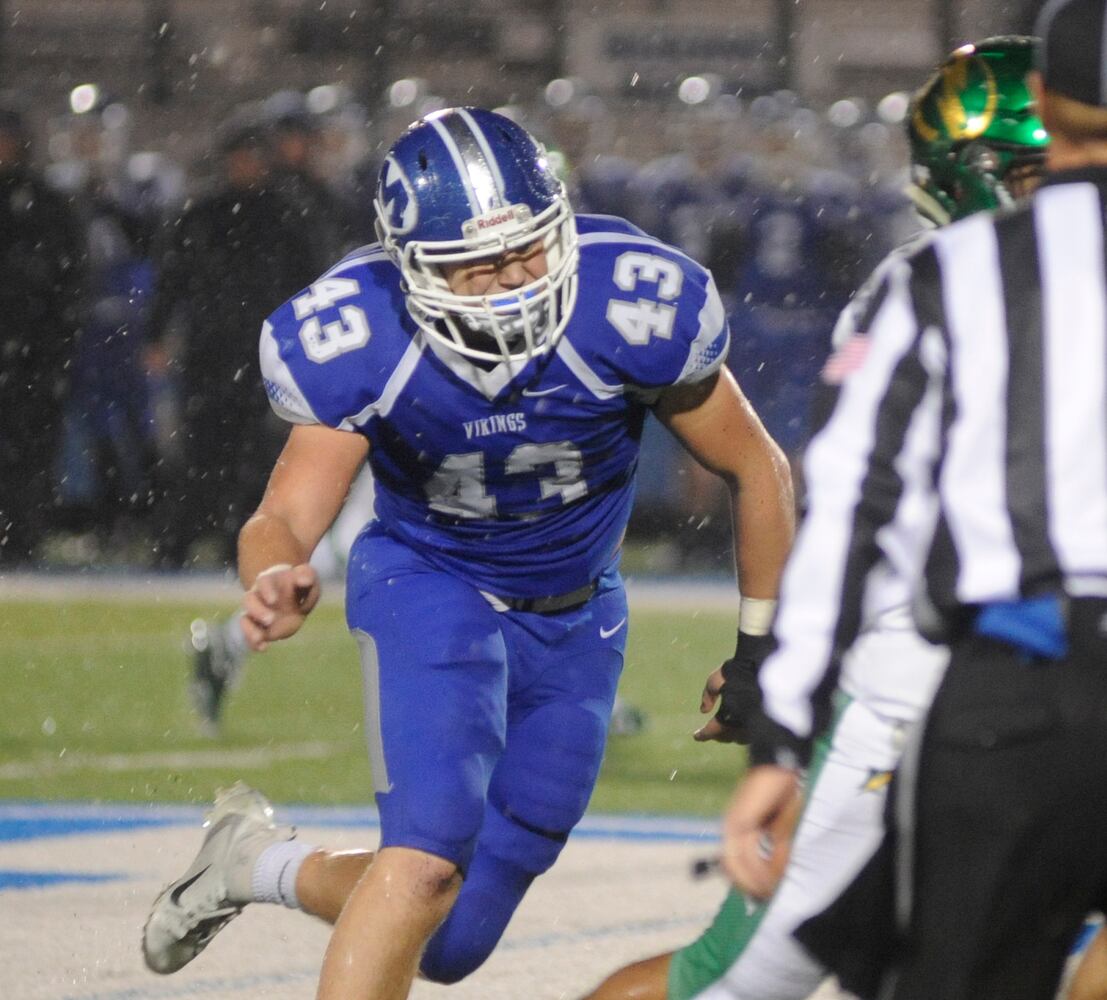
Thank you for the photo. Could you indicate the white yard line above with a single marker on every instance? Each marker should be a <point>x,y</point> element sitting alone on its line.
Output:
<point>248,757</point>
<point>675,594</point>
<point>158,588</point>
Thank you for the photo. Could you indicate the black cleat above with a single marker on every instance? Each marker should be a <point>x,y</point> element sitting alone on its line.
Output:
<point>215,669</point>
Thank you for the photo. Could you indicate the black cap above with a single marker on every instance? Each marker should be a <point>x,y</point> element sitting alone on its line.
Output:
<point>244,128</point>
<point>288,111</point>
<point>11,120</point>
<point>1073,54</point>
<point>13,113</point>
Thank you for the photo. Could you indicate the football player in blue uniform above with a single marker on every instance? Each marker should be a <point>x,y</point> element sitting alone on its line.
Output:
<point>494,357</point>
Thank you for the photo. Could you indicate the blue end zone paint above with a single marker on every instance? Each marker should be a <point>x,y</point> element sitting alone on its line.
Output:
<point>25,821</point>
<point>34,820</point>
<point>39,880</point>
<point>34,827</point>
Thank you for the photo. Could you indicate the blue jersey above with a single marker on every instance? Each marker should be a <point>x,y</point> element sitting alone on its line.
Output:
<point>518,479</point>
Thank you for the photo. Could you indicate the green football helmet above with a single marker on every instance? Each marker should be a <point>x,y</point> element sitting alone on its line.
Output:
<point>976,140</point>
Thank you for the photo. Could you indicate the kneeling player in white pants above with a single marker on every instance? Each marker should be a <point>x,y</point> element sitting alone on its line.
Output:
<point>749,952</point>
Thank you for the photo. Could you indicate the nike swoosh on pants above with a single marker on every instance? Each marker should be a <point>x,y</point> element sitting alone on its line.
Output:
<point>607,633</point>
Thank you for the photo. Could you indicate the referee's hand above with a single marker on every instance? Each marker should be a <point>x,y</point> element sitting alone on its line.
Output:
<point>757,829</point>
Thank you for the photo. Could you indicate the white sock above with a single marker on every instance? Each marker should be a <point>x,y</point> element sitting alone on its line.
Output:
<point>234,640</point>
<point>275,872</point>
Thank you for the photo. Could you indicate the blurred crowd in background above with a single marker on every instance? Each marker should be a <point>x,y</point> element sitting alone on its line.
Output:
<point>133,427</point>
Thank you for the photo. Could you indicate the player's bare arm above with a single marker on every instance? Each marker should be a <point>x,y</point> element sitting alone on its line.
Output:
<point>305,493</point>
<point>719,427</point>
<point>716,423</point>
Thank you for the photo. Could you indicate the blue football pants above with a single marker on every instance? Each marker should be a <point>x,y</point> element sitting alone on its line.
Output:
<point>485,729</point>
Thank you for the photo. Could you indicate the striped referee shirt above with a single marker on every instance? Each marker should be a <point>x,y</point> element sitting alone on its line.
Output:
<point>967,445</point>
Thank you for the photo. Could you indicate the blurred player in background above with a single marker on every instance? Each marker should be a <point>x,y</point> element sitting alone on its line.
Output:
<point>976,144</point>
<point>41,284</point>
<point>233,254</point>
<point>346,157</point>
<point>287,140</point>
<point>295,145</point>
<point>495,359</point>
<point>108,462</point>
<point>217,646</point>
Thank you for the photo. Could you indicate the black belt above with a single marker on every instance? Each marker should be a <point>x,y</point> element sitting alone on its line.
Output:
<point>548,605</point>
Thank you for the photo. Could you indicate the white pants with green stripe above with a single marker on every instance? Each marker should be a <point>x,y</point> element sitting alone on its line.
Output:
<point>749,953</point>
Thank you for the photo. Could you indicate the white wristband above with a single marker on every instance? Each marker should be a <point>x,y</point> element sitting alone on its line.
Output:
<point>278,568</point>
<point>755,615</point>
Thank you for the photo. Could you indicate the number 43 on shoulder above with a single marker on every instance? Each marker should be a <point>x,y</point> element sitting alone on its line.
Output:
<point>644,318</point>
<point>324,341</point>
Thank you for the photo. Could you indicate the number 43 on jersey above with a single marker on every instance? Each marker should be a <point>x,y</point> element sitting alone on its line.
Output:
<point>324,341</point>
<point>644,318</point>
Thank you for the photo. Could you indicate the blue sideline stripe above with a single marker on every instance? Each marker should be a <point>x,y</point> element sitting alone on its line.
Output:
<point>33,828</point>
<point>13,879</point>
<point>33,820</point>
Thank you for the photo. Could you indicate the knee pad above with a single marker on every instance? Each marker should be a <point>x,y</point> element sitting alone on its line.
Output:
<point>508,858</point>
<point>521,845</point>
<point>489,896</point>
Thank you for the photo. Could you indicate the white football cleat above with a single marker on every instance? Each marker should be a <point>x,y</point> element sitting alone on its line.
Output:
<point>197,906</point>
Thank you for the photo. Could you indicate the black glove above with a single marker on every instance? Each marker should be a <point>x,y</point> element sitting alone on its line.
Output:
<point>740,697</point>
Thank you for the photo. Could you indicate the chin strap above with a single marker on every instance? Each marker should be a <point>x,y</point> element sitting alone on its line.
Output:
<point>927,205</point>
<point>1003,196</point>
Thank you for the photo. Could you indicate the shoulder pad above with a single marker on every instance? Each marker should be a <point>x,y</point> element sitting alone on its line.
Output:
<point>607,224</point>
<point>327,352</point>
<point>647,316</point>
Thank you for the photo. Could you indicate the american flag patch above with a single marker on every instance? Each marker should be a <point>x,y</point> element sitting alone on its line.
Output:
<point>847,359</point>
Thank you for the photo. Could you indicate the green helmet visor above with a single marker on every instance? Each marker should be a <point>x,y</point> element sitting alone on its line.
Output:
<point>994,175</point>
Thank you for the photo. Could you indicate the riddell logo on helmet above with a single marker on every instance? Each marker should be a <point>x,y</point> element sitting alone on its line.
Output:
<point>497,219</point>
<point>490,222</point>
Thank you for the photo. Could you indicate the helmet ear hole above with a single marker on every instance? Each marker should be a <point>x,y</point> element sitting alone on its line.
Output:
<point>980,157</point>
<point>422,160</point>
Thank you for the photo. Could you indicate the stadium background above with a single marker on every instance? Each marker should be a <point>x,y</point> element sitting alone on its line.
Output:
<point>764,136</point>
<point>188,61</point>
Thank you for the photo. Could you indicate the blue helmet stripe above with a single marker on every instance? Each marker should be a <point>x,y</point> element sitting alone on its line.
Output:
<point>473,163</point>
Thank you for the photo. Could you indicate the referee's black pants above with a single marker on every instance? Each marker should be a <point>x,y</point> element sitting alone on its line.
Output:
<point>1010,838</point>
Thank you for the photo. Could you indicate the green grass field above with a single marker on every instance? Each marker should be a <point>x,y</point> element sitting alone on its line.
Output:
<point>95,707</point>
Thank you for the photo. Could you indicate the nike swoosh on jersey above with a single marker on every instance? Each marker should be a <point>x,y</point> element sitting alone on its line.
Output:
<point>175,895</point>
<point>607,633</point>
<point>544,392</point>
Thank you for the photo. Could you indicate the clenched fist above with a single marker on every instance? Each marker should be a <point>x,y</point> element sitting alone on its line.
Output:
<point>277,604</point>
